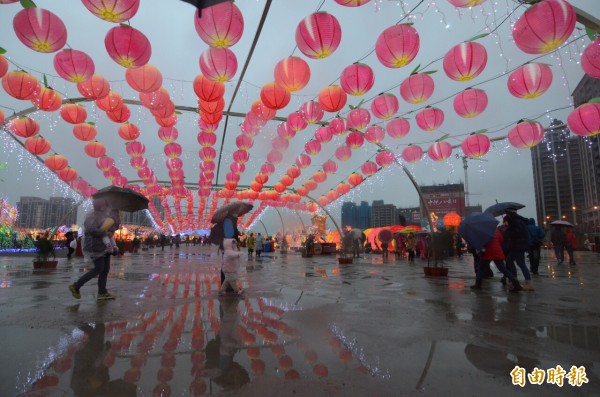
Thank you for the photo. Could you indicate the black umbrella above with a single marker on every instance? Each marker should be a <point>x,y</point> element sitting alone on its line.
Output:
<point>201,4</point>
<point>501,208</point>
<point>123,199</point>
<point>235,210</point>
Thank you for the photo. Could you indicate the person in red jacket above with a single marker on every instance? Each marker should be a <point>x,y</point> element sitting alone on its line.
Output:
<point>570,245</point>
<point>493,252</point>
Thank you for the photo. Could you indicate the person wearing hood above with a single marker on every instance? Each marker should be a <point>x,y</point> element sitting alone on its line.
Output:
<point>536,239</point>
<point>517,236</point>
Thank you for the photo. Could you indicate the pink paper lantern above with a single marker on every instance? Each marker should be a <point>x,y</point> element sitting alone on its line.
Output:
<point>585,120</point>
<point>332,98</point>
<point>284,131</point>
<point>544,26</point>
<point>113,10</point>
<point>146,78</point>
<point>319,176</point>
<point>590,60</point>
<point>369,168</point>
<point>357,79</point>
<point>318,35</point>
<point>430,119</point>
<point>343,153</point>
<point>342,188</point>
<point>206,139</point>
<point>40,29</point>
<point>137,163</point>
<point>338,126</point>
<point>155,100</point>
<point>174,163</point>
<point>135,149</point>
<point>439,151</point>
<point>37,145</point>
<point>73,65</point>
<point>168,134</point>
<point>384,106</point>
<point>352,3</point>
<point>530,80</point>
<point>240,156</point>
<point>274,96</point>
<point>104,163</point>
<point>46,99</point>
<point>358,118</point>
<point>417,88</point>
<point>374,134</point>
<point>167,121</point>
<point>274,157</point>
<point>208,90</point>
<point>85,132</point>
<point>312,112</point>
<point>110,102</point>
<point>293,172</point>
<point>172,150</point>
<point>267,169</point>
<point>280,144</point>
<point>303,161</point>
<point>332,195</point>
<point>412,153</point>
<point>120,181</point>
<point>20,85</point>
<point>384,158</point>
<point>68,174</point>
<point>470,103</point>
<point>119,115</point>
<point>526,134</point>
<point>355,140</point>
<point>330,167</point>
<point>207,154</point>
<point>94,149</point>
<point>128,46</point>
<point>94,88</point>
<point>355,179</point>
<point>243,142</point>
<point>465,61</point>
<point>237,168</point>
<point>3,66</point>
<point>312,147</point>
<point>218,64</point>
<point>296,122</point>
<point>221,25</point>
<point>466,3</point>
<point>292,73</point>
<point>398,128</point>
<point>475,146</point>
<point>323,134</point>
<point>261,111</point>
<point>56,162</point>
<point>397,46</point>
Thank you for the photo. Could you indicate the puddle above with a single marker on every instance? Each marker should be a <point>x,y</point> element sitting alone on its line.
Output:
<point>585,337</point>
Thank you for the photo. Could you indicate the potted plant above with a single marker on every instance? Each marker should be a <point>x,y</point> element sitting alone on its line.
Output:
<point>44,251</point>
<point>438,250</point>
<point>345,249</point>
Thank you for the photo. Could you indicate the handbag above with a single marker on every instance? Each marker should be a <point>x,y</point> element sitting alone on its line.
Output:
<point>73,244</point>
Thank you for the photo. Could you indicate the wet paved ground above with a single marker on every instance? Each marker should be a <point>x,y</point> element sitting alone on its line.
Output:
<point>307,327</point>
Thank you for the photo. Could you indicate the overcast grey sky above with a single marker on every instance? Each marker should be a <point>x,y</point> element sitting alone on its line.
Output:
<point>504,174</point>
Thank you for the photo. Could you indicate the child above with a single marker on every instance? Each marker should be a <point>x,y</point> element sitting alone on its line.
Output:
<point>111,224</point>
<point>230,267</point>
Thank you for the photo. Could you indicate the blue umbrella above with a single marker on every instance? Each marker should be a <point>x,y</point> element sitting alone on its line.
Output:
<point>478,229</point>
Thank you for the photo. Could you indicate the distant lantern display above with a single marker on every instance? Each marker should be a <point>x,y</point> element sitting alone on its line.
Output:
<point>397,46</point>
<point>470,103</point>
<point>318,35</point>
<point>357,79</point>
<point>465,61</point>
<point>476,145</point>
<point>526,134</point>
<point>417,88</point>
<point>530,81</point>
<point>292,73</point>
<point>128,46</point>
<point>220,25</point>
<point>40,29</point>
<point>544,26</point>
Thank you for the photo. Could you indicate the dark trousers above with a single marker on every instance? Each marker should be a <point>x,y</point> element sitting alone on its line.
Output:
<point>101,269</point>
<point>535,254</point>
<point>483,263</point>
<point>71,250</point>
<point>518,257</point>
<point>570,251</point>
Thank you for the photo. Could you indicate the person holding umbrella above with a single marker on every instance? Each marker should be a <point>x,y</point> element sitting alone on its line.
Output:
<point>559,240</point>
<point>517,236</point>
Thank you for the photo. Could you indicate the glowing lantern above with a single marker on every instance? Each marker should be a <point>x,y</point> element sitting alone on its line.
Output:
<point>384,158</point>
<point>355,179</point>
<point>302,191</point>
<point>287,180</point>
<point>417,88</point>
<point>343,153</point>
<point>358,118</point>
<point>357,79</point>
<point>218,64</point>
<point>85,131</point>
<point>24,127</point>
<point>311,112</point>
<point>311,185</point>
<point>470,103</point>
<point>207,154</point>
<point>146,78</point>
<point>284,131</point>
<point>3,66</point>
<point>332,98</point>
<point>292,73</point>
<point>332,195</point>
<point>274,157</point>
<point>303,161</point>
<point>56,162</point>
<point>530,80</point>
<point>120,115</point>
<point>318,35</point>
<point>261,178</point>
<point>20,85</point>
<point>207,139</point>
<point>312,147</point>
<point>220,25</point>
<point>526,134</point>
<point>369,168</point>
<point>323,134</point>
<point>73,113</point>
<point>128,46</point>
<point>343,188</point>
<point>319,176</point>
<point>211,107</point>
<point>94,88</point>
<point>104,163</point>
<point>338,126</point>
<point>208,90</point>
<point>355,140</point>
<point>267,169</point>
<point>37,145</point>
<point>261,111</point>
<point>398,128</point>
<point>439,151</point>
<point>73,65</point>
<point>293,172</point>
<point>243,142</point>
<point>241,156</point>
<point>67,174</point>
<point>174,163</point>
<point>94,149</point>
<point>274,96</point>
<point>397,46</point>
<point>47,99</point>
<point>352,3</point>
<point>475,146</point>
<point>585,120</point>
<point>168,134</point>
<point>330,167</point>
<point>168,121</point>
<point>374,134</point>
<point>544,26</point>
<point>137,163</point>
<point>412,153</point>
<point>129,132</point>
<point>296,122</point>
<point>430,119</point>
<point>110,102</point>
<point>172,150</point>
<point>40,30</point>
<point>279,187</point>
<point>590,60</point>
<point>257,187</point>
<point>211,118</point>
<point>452,219</point>
<point>384,106</point>
<point>322,201</point>
<point>466,3</point>
<point>113,10</point>
<point>135,149</point>
<point>465,61</point>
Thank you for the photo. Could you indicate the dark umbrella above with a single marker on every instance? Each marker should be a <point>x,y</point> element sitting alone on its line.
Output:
<point>561,223</point>
<point>235,209</point>
<point>123,199</point>
<point>201,4</point>
<point>501,208</point>
<point>478,229</point>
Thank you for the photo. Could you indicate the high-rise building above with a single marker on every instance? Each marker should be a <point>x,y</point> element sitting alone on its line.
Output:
<point>356,216</point>
<point>364,215</point>
<point>383,214</point>
<point>40,213</point>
